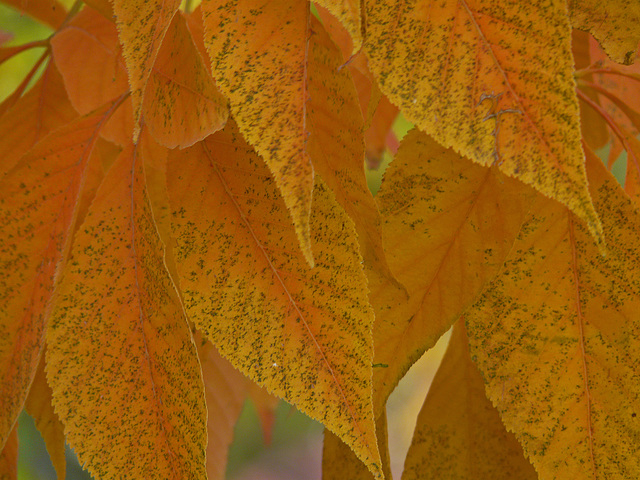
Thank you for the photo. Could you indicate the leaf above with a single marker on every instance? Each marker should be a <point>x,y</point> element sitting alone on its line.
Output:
<point>266,405</point>
<point>459,434</point>
<point>105,7</point>
<point>348,12</point>
<point>38,208</point>
<point>492,80</point>
<point>556,336</point>
<point>448,224</point>
<point>304,334</point>
<point>48,12</point>
<point>182,105</point>
<point>38,406</point>
<point>142,25</point>
<point>593,126</point>
<point>120,358</point>
<point>43,109</point>
<point>9,456</point>
<point>225,392</point>
<point>339,461</point>
<point>264,75</point>
<point>336,145</point>
<point>94,74</point>
<point>615,24</point>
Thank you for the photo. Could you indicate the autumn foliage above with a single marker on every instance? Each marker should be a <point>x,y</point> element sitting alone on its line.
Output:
<point>182,192</point>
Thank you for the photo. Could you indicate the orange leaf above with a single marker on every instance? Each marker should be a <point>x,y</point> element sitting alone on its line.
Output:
<point>265,78</point>
<point>182,105</point>
<point>459,433</point>
<point>593,126</point>
<point>266,405</point>
<point>339,462</point>
<point>9,456</point>
<point>304,334</point>
<point>614,23</point>
<point>492,80</point>
<point>225,392</point>
<point>49,12</point>
<point>94,74</point>
<point>556,337</point>
<point>105,7</point>
<point>142,25</point>
<point>38,406</point>
<point>43,109</point>
<point>120,358</point>
<point>336,145</point>
<point>448,224</point>
<point>38,207</point>
<point>348,12</point>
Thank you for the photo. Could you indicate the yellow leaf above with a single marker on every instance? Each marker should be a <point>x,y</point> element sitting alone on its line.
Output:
<point>459,434</point>
<point>121,362</point>
<point>259,53</point>
<point>43,109</point>
<point>614,23</point>
<point>336,145</point>
<point>94,74</point>
<point>9,456</point>
<point>39,201</point>
<point>556,337</point>
<point>225,392</point>
<point>142,25</point>
<point>182,105</point>
<point>494,81</point>
<point>339,462</point>
<point>348,12</point>
<point>38,406</point>
<point>448,224</point>
<point>304,334</point>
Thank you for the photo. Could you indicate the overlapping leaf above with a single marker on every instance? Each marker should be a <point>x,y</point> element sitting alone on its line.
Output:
<point>94,74</point>
<point>303,333</point>
<point>142,25</point>
<point>459,434</point>
<point>491,79</point>
<point>9,456</point>
<point>39,201</point>
<point>448,225</point>
<point>615,24</point>
<point>225,391</point>
<point>182,105</point>
<point>556,338</point>
<point>43,109</point>
<point>120,358</point>
<point>259,52</point>
<point>38,405</point>
<point>348,12</point>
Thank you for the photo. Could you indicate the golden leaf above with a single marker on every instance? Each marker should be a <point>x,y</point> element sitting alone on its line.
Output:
<point>614,23</point>
<point>39,202</point>
<point>259,53</point>
<point>303,333</point>
<point>348,12</point>
<point>38,406</point>
<point>448,224</point>
<point>459,434</point>
<point>492,80</point>
<point>556,337</point>
<point>182,104</point>
<point>121,362</point>
<point>225,391</point>
<point>142,25</point>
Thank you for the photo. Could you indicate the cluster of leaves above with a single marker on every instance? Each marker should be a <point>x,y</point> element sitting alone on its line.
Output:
<point>183,192</point>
